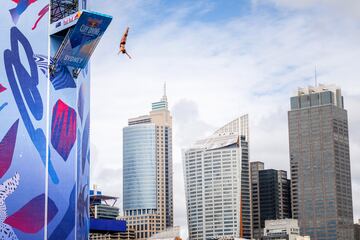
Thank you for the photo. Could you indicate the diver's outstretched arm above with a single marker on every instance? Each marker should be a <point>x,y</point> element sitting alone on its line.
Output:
<point>128,55</point>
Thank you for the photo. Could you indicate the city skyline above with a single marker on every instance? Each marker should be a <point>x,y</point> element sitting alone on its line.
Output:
<point>288,68</point>
<point>253,64</point>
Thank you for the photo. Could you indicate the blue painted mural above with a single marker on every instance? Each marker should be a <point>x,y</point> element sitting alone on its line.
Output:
<point>44,131</point>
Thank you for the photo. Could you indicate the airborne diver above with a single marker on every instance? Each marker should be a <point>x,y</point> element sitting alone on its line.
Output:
<point>123,43</point>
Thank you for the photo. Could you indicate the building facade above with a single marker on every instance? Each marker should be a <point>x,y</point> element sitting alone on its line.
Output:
<point>147,171</point>
<point>255,167</point>
<point>320,163</point>
<point>357,230</point>
<point>271,196</point>
<point>45,119</point>
<point>275,195</point>
<point>284,229</point>
<point>217,183</point>
<point>168,234</point>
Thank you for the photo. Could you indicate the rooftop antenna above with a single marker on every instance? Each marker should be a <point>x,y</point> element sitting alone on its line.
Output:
<point>316,84</point>
<point>164,88</point>
<point>164,98</point>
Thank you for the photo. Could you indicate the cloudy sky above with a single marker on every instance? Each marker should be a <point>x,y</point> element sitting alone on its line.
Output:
<point>220,59</point>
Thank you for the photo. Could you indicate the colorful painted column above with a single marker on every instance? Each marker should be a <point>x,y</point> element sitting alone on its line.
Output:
<point>45,119</point>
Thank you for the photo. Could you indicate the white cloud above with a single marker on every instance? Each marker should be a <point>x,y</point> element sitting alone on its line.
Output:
<point>216,72</point>
<point>349,8</point>
<point>188,126</point>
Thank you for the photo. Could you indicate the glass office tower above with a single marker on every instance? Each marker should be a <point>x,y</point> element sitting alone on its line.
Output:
<point>147,171</point>
<point>275,196</point>
<point>271,196</point>
<point>320,163</point>
<point>140,168</point>
<point>217,183</point>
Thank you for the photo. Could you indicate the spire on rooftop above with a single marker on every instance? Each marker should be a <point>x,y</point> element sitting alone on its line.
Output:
<point>163,103</point>
<point>164,98</point>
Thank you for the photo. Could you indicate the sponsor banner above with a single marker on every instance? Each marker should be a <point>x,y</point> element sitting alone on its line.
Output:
<point>64,23</point>
<point>83,39</point>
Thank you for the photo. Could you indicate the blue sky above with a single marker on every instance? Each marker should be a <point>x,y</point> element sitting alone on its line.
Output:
<point>220,59</point>
<point>211,11</point>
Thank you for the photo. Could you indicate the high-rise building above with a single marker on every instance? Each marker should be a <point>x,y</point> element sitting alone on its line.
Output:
<point>271,196</point>
<point>255,167</point>
<point>275,195</point>
<point>147,171</point>
<point>320,163</point>
<point>217,183</point>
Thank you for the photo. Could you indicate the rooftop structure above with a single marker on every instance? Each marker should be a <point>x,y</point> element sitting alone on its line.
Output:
<point>139,120</point>
<point>103,206</point>
<point>284,229</point>
<point>317,96</point>
<point>103,218</point>
<point>162,104</point>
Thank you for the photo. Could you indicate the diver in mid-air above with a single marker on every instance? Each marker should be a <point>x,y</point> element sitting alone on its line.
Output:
<point>123,43</point>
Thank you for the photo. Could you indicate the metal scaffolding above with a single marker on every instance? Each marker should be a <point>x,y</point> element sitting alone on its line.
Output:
<point>63,8</point>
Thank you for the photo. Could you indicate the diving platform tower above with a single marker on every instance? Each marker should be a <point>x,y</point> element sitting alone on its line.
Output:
<point>46,47</point>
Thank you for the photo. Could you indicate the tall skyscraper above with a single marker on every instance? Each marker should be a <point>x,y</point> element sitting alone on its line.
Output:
<point>271,196</point>
<point>320,163</point>
<point>217,183</point>
<point>147,171</point>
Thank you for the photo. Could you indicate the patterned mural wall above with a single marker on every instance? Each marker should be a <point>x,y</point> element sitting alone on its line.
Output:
<point>44,131</point>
